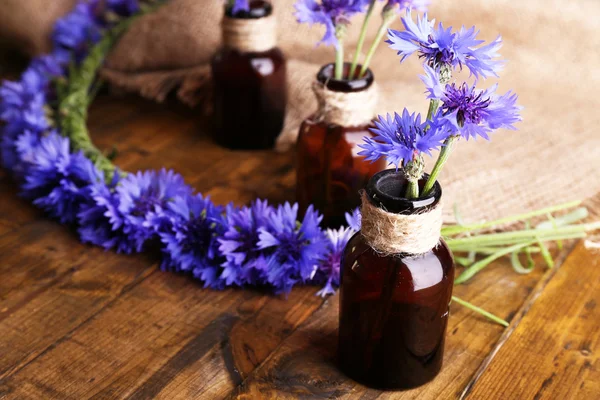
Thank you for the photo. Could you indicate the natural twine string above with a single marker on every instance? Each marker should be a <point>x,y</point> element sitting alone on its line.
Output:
<point>253,35</point>
<point>390,233</point>
<point>345,109</point>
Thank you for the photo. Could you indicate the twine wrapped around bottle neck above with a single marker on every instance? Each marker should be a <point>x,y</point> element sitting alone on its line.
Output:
<point>391,233</point>
<point>249,35</point>
<point>345,108</point>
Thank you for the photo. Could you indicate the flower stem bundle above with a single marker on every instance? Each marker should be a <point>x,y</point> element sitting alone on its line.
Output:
<point>477,239</point>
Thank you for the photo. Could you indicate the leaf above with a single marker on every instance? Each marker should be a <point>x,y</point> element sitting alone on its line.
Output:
<point>567,219</point>
<point>464,261</point>
<point>516,263</point>
<point>478,266</point>
<point>545,253</point>
<point>559,243</point>
<point>480,311</point>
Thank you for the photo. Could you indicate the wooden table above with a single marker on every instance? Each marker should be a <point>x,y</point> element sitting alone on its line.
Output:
<point>77,322</point>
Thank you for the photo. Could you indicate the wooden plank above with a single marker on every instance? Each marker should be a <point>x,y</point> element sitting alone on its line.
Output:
<point>46,294</point>
<point>166,338</point>
<point>305,364</point>
<point>32,258</point>
<point>15,212</point>
<point>554,353</point>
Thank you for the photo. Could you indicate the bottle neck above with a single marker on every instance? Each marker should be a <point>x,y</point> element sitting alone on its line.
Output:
<point>252,31</point>
<point>345,102</point>
<point>392,224</point>
<point>387,189</point>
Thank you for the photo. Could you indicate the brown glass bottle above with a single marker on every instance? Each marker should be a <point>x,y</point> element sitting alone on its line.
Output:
<point>250,92</point>
<point>394,309</point>
<point>329,172</point>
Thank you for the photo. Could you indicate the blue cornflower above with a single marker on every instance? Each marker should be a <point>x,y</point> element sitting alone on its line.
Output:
<point>470,112</point>
<point>100,222</point>
<point>296,249</point>
<point>245,262</point>
<point>57,180</point>
<point>473,112</point>
<point>17,152</point>
<point>329,268</point>
<point>330,13</point>
<point>145,192</point>
<point>239,5</point>
<point>420,5</point>
<point>23,152</point>
<point>30,88</point>
<point>124,7</point>
<point>191,242</point>
<point>45,68</point>
<point>32,85</point>
<point>18,96</point>
<point>354,219</point>
<point>22,110</point>
<point>22,106</point>
<point>431,79</point>
<point>439,46</point>
<point>75,32</point>
<point>26,145</point>
<point>401,138</point>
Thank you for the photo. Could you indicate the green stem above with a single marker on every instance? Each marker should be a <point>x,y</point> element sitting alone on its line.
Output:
<point>546,254</point>
<point>480,311</point>
<point>570,218</point>
<point>486,250</point>
<point>96,86</point>
<point>439,164</point>
<point>478,266</point>
<point>412,190</point>
<point>361,39</point>
<point>433,106</point>
<point>339,58</point>
<point>446,149</point>
<point>516,263</point>
<point>501,243</point>
<point>388,18</point>
<point>456,229</point>
<point>526,234</point>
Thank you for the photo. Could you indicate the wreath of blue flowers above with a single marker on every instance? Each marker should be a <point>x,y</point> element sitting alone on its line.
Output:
<point>46,147</point>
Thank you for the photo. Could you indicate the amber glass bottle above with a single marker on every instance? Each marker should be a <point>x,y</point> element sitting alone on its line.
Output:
<point>249,76</point>
<point>394,309</point>
<point>330,173</point>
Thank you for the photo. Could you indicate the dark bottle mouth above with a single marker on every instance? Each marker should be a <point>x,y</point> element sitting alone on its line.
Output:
<point>326,73</point>
<point>258,9</point>
<point>386,190</point>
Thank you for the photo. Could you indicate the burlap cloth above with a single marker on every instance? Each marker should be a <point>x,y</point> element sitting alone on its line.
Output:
<point>553,48</point>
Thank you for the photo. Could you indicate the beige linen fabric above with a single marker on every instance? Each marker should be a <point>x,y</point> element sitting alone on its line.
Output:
<point>27,24</point>
<point>554,65</point>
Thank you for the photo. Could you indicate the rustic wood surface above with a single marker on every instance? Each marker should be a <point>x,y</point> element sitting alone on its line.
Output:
<point>77,322</point>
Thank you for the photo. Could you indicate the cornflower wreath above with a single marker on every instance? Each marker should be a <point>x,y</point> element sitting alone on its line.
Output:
<point>46,146</point>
